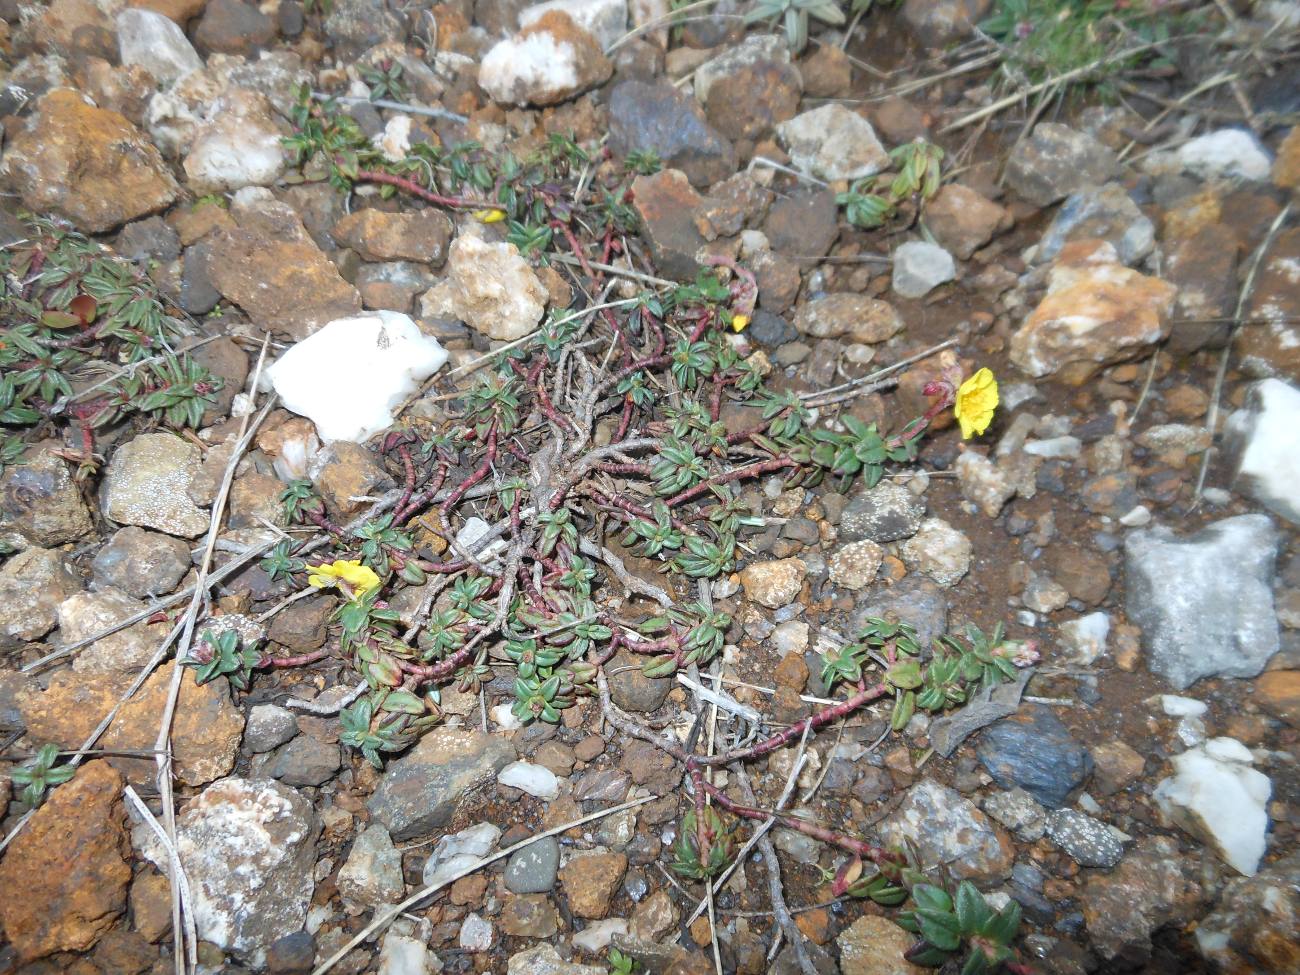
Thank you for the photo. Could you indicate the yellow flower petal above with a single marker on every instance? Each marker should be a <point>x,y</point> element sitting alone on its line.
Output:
<point>975,403</point>
<point>489,216</point>
<point>359,578</point>
<point>738,322</point>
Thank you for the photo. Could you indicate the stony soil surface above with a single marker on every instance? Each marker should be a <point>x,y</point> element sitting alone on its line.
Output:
<point>1139,800</point>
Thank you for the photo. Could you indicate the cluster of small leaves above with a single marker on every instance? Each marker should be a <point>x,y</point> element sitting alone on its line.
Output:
<point>68,305</point>
<point>385,80</point>
<point>914,174</point>
<point>1049,38</point>
<point>695,632</point>
<point>555,633</point>
<point>620,964</point>
<point>946,924</point>
<point>793,15</point>
<point>854,879</point>
<point>225,655</point>
<point>957,668</point>
<point>41,773</point>
<point>719,833</point>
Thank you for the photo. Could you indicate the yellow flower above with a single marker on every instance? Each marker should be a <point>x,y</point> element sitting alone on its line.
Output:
<point>738,322</point>
<point>977,398</point>
<point>489,216</point>
<point>359,578</point>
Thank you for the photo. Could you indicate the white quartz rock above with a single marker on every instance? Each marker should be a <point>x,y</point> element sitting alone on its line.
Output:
<point>1226,154</point>
<point>536,780</point>
<point>347,377</point>
<point>155,43</point>
<point>1264,443</point>
<point>1216,795</point>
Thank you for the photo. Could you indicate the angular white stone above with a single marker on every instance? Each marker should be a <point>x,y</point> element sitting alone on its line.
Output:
<point>1182,707</point>
<point>1216,795</point>
<point>1264,439</point>
<point>597,935</point>
<point>920,267</point>
<point>1226,154</point>
<point>833,143</point>
<point>239,147</point>
<point>475,933</point>
<point>536,780</point>
<point>155,43</point>
<point>1085,637</point>
<point>347,377</point>
<point>404,955</point>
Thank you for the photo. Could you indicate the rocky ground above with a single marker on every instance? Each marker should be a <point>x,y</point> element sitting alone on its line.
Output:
<point>1137,796</point>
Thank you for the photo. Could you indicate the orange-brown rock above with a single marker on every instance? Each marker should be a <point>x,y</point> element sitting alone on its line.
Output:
<point>1096,312</point>
<point>206,728</point>
<point>70,867</point>
<point>1278,693</point>
<point>88,164</point>
<point>273,270</point>
<point>181,11</point>
<point>75,28</point>
<point>1286,166</point>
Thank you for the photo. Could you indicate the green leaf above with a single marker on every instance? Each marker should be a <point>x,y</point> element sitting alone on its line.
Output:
<point>972,912</point>
<point>403,702</point>
<point>905,674</point>
<point>926,955</point>
<point>939,929</point>
<point>1004,925</point>
<point>931,898</point>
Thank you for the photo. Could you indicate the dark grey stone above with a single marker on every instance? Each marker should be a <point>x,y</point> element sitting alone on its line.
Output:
<point>532,869</point>
<point>1087,841</point>
<point>1035,751</point>
<point>198,294</point>
<point>770,330</point>
<point>421,790</point>
<point>306,761</point>
<point>151,239</point>
<point>658,116</point>
<point>886,513</point>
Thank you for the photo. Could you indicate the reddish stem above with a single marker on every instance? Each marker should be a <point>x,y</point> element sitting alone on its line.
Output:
<point>481,472</point>
<point>415,189</point>
<point>299,661</point>
<point>754,470</point>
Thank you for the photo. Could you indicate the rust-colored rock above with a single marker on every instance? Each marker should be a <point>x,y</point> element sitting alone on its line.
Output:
<point>206,728</point>
<point>1286,165</point>
<point>750,102</point>
<point>88,164</point>
<point>181,11</point>
<point>1270,344</point>
<point>282,280</point>
<point>1097,312</point>
<point>1203,266</point>
<point>666,204</point>
<point>70,865</point>
<point>420,235</point>
<point>590,882</point>
<point>75,29</point>
<point>1278,693</point>
<point>963,220</point>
